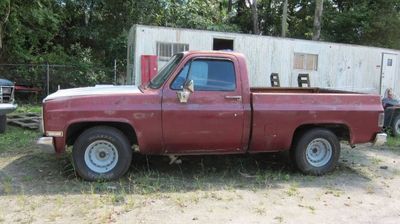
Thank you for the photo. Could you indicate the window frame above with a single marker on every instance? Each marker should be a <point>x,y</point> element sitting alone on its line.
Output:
<point>306,56</point>
<point>205,58</point>
<point>173,46</point>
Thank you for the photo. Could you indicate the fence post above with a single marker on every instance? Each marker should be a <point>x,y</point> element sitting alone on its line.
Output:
<point>115,71</point>
<point>47,78</point>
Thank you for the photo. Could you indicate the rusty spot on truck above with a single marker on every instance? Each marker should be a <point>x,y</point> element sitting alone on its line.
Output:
<point>139,116</point>
<point>109,112</point>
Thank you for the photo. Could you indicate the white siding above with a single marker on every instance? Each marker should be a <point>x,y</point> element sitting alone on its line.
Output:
<point>340,66</point>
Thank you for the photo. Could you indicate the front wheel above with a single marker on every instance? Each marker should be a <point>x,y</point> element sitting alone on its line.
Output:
<point>395,126</point>
<point>3,123</point>
<point>101,153</point>
<point>316,152</point>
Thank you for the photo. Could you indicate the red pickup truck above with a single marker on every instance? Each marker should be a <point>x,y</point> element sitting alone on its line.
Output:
<point>201,103</point>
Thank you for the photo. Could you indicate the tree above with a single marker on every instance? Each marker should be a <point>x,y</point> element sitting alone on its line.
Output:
<point>317,19</point>
<point>6,8</point>
<point>364,22</point>
<point>254,12</point>
<point>284,18</point>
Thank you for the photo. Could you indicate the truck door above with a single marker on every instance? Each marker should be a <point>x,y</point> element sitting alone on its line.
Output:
<point>388,75</point>
<point>212,119</point>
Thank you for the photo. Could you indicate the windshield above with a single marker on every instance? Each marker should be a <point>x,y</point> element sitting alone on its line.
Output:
<point>164,73</point>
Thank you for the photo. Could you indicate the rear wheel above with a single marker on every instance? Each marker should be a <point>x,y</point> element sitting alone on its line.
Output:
<point>3,123</point>
<point>102,153</point>
<point>316,152</point>
<point>395,126</point>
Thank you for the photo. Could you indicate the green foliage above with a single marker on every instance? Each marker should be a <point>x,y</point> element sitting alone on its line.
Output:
<point>17,138</point>
<point>374,23</point>
<point>91,34</point>
<point>393,141</point>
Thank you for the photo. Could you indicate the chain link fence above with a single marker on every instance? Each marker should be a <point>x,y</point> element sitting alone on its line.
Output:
<point>35,81</point>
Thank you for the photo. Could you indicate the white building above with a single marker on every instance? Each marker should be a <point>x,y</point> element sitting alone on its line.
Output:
<point>329,65</point>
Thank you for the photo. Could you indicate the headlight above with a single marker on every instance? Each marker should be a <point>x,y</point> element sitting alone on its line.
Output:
<point>42,123</point>
<point>6,90</point>
<point>381,119</point>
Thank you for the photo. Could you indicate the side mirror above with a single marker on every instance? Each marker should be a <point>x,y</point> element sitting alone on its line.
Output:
<point>183,95</point>
<point>189,86</point>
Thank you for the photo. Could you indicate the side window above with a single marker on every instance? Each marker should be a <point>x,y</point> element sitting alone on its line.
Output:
<point>208,75</point>
<point>180,78</point>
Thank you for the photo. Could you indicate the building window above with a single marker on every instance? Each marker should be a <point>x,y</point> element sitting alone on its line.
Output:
<point>166,50</point>
<point>305,61</point>
<point>389,62</point>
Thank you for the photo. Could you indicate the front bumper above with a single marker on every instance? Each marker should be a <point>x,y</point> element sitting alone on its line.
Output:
<point>46,143</point>
<point>6,108</point>
<point>380,139</point>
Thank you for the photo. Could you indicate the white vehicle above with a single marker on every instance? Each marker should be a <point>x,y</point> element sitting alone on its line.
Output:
<point>7,103</point>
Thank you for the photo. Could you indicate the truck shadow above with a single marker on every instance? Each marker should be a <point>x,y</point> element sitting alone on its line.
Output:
<point>43,174</point>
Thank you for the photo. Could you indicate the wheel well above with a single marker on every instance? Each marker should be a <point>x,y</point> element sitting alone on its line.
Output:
<point>76,129</point>
<point>341,131</point>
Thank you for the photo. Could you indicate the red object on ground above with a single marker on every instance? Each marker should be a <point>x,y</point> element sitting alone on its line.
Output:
<point>149,67</point>
<point>26,89</point>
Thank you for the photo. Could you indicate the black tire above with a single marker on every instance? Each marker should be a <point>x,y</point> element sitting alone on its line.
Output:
<point>115,146</point>
<point>3,123</point>
<point>318,140</point>
<point>395,126</point>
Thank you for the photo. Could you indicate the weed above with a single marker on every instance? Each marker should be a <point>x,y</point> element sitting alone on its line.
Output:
<point>309,207</point>
<point>180,202</point>
<point>376,161</point>
<point>279,219</point>
<point>334,191</point>
<point>293,190</point>
<point>16,139</point>
<point>393,141</point>
<point>260,210</point>
<point>7,185</point>
<point>28,108</point>
<point>370,189</point>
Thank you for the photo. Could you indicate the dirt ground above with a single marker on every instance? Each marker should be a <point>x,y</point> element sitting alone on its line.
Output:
<point>37,187</point>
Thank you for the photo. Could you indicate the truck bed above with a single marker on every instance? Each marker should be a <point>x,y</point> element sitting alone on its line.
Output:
<point>279,112</point>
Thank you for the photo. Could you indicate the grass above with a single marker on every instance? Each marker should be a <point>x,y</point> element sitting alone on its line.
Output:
<point>393,141</point>
<point>28,108</point>
<point>17,139</point>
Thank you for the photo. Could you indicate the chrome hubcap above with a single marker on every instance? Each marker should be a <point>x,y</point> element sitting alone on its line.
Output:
<point>101,156</point>
<point>318,152</point>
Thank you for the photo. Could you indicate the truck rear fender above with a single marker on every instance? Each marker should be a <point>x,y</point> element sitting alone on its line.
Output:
<point>342,131</point>
<point>76,129</point>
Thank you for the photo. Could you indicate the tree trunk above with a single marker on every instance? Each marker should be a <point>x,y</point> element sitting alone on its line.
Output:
<point>319,5</point>
<point>1,38</point>
<point>230,6</point>
<point>3,24</point>
<point>254,14</point>
<point>284,18</point>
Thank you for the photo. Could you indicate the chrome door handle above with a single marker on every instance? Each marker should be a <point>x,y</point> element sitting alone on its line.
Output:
<point>233,97</point>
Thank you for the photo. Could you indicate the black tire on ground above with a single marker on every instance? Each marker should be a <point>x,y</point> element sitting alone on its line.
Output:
<point>395,126</point>
<point>3,123</point>
<point>316,152</point>
<point>101,153</point>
